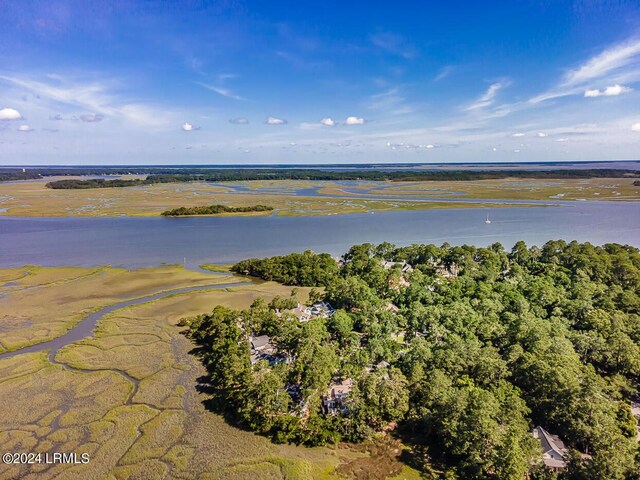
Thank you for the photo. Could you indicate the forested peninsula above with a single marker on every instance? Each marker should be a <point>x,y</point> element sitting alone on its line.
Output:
<point>214,210</point>
<point>458,351</point>
<point>245,174</point>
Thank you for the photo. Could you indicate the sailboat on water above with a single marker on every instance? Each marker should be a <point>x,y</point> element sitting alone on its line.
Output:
<point>487,221</point>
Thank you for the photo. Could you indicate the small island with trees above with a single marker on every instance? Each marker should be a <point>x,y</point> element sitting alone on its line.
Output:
<point>486,363</point>
<point>214,210</point>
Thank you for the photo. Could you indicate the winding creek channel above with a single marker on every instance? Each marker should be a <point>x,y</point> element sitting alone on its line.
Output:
<point>86,327</point>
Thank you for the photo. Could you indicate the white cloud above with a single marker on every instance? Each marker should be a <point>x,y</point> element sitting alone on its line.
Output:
<point>430,146</point>
<point>563,139</point>
<point>608,92</point>
<point>25,128</point>
<point>616,90</point>
<point>328,122</point>
<point>635,127</point>
<point>239,121</point>
<point>275,121</point>
<point>188,127</point>
<point>542,134</point>
<point>10,114</point>
<point>519,134</point>
<point>355,121</point>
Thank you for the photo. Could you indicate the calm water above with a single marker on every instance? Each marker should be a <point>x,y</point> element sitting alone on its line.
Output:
<point>139,242</point>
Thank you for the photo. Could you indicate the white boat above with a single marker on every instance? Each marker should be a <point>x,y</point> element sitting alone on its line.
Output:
<point>487,220</point>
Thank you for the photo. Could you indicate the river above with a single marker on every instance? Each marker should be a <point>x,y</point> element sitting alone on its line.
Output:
<point>141,241</point>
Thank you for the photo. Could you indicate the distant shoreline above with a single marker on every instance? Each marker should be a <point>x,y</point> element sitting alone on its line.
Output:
<point>445,165</point>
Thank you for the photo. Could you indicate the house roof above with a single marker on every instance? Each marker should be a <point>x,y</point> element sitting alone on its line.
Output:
<point>549,442</point>
<point>322,306</point>
<point>342,387</point>
<point>301,310</point>
<point>260,342</point>
<point>403,265</point>
<point>554,451</point>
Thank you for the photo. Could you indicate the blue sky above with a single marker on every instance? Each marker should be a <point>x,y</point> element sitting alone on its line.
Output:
<point>333,82</point>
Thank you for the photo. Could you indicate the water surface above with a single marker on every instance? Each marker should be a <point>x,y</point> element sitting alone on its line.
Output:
<point>137,242</point>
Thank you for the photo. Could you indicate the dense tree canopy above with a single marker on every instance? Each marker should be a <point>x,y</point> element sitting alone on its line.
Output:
<point>214,210</point>
<point>303,269</point>
<point>463,354</point>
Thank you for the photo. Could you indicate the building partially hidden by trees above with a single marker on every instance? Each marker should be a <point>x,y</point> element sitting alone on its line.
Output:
<point>554,453</point>
<point>470,355</point>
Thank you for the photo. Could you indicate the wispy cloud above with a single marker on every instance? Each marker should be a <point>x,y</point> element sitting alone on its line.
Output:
<point>391,102</point>
<point>239,121</point>
<point>96,96</point>
<point>444,72</point>
<point>227,76</point>
<point>635,127</point>
<point>617,63</point>
<point>611,60</point>
<point>301,62</point>
<point>394,43</point>
<point>487,99</point>
<point>225,92</point>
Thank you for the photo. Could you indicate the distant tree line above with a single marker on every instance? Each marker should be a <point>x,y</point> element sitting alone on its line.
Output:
<point>214,210</point>
<point>94,183</point>
<point>226,175</point>
<point>12,174</point>
<point>461,354</point>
